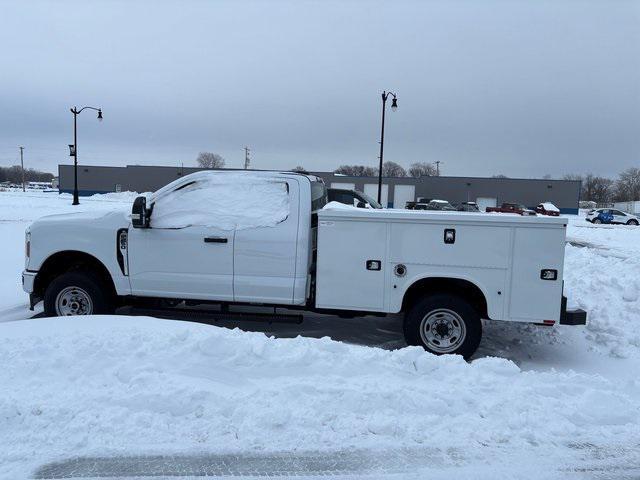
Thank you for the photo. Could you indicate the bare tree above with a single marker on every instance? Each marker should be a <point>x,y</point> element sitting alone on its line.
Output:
<point>598,189</point>
<point>499,176</point>
<point>299,169</point>
<point>572,176</point>
<point>356,170</point>
<point>423,169</point>
<point>14,175</point>
<point>547,176</point>
<point>210,160</point>
<point>628,185</point>
<point>392,169</point>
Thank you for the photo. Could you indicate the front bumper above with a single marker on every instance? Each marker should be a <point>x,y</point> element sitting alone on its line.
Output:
<point>28,279</point>
<point>572,317</point>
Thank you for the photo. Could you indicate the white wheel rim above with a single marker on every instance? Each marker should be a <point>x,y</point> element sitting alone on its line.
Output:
<point>442,330</point>
<point>73,301</point>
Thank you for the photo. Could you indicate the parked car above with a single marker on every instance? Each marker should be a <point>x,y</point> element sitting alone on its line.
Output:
<point>548,208</point>
<point>434,204</point>
<point>516,208</point>
<point>198,240</point>
<point>611,216</point>
<point>419,204</point>
<point>468,207</point>
<point>355,198</point>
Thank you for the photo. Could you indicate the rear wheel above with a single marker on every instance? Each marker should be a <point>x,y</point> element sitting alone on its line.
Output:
<point>444,324</point>
<point>632,222</point>
<point>76,293</point>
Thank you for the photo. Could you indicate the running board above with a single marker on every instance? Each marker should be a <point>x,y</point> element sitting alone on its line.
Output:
<point>213,315</point>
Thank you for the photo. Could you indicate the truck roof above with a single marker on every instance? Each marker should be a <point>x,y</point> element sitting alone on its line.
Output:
<point>197,176</point>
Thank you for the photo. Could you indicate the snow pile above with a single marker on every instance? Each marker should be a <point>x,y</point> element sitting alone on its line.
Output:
<point>127,196</point>
<point>108,385</point>
<point>550,207</point>
<point>338,206</point>
<point>29,206</point>
<point>229,201</point>
<point>601,276</point>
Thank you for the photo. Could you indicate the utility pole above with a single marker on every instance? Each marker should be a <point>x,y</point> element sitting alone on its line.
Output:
<point>22,165</point>
<point>247,160</point>
<point>437,168</point>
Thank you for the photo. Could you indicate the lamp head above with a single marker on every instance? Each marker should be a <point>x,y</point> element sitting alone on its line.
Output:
<point>394,104</point>
<point>99,114</point>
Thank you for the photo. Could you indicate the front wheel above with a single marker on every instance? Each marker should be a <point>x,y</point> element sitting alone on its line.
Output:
<point>76,293</point>
<point>596,221</point>
<point>632,222</point>
<point>444,324</point>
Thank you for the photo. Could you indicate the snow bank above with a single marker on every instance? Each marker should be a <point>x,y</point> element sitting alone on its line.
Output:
<point>108,385</point>
<point>127,196</point>
<point>338,206</point>
<point>601,276</point>
<point>226,201</point>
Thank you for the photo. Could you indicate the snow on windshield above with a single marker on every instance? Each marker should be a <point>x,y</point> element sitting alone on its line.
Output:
<point>224,201</point>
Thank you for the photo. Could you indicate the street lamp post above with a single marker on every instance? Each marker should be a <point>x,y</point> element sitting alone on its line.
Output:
<point>394,106</point>
<point>74,150</point>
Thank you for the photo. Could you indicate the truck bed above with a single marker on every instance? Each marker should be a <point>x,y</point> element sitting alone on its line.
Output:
<point>503,256</point>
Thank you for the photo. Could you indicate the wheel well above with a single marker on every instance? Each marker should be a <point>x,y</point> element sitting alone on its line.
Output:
<point>71,260</point>
<point>463,288</point>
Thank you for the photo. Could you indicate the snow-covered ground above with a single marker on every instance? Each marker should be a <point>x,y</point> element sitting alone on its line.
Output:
<point>536,402</point>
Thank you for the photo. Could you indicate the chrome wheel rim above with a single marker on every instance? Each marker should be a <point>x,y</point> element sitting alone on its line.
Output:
<point>442,330</point>
<point>73,301</point>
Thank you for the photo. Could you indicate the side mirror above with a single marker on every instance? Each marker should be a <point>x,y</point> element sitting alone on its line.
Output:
<point>361,204</point>
<point>139,213</point>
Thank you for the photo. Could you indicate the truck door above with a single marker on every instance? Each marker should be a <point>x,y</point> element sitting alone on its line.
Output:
<point>265,257</point>
<point>191,262</point>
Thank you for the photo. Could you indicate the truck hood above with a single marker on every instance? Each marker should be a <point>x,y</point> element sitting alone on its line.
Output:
<point>110,218</point>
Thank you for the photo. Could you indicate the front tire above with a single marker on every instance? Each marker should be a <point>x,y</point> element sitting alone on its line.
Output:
<point>76,293</point>
<point>444,324</point>
<point>632,222</point>
<point>596,221</point>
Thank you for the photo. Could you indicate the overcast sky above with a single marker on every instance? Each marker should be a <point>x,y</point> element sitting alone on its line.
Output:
<point>522,88</point>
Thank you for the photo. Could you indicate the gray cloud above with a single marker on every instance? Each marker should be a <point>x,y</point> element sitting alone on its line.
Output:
<point>521,88</point>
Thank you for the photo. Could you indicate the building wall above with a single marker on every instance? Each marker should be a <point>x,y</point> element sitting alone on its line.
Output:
<point>565,194</point>
<point>629,207</point>
<point>530,192</point>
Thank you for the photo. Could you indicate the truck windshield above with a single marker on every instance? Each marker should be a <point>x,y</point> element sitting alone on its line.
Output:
<point>369,200</point>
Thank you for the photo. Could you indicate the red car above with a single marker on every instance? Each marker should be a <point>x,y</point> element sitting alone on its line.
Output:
<point>516,208</point>
<point>547,208</point>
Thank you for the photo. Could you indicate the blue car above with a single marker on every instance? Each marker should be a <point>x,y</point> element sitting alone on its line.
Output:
<point>612,216</point>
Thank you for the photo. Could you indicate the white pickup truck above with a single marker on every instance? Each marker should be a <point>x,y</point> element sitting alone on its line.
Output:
<point>229,238</point>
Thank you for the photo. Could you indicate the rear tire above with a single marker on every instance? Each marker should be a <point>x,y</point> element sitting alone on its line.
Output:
<point>444,324</point>
<point>77,293</point>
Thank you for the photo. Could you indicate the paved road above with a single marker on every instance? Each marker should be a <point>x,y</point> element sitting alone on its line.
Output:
<point>572,461</point>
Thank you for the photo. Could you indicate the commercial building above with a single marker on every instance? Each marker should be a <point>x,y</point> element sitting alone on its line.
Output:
<point>565,194</point>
